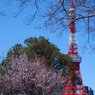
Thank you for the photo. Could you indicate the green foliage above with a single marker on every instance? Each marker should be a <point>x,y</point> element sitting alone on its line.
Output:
<point>16,50</point>
<point>63,62</point>
<point>41,47</point>
<point>32,40</point>
<point>2,71</point>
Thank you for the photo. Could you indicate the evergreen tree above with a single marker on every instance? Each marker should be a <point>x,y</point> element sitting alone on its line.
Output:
<point>16,50</point>
<point>42,48</point>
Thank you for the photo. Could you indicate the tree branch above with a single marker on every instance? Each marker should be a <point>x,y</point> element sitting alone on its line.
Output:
<point>84,17</point>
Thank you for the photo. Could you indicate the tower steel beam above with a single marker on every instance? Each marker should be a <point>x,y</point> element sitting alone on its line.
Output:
<point>74,84</point>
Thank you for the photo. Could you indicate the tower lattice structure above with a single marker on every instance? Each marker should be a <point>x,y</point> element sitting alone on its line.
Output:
<point>74,84</point>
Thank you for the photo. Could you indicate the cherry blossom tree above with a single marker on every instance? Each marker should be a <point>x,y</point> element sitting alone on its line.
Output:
<point>30,77</point>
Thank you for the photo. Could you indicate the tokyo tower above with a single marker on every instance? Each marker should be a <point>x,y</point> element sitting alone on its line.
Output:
<point>74,84</point>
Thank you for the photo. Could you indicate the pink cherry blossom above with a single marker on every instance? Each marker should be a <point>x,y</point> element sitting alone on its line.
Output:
<point>30,77</point>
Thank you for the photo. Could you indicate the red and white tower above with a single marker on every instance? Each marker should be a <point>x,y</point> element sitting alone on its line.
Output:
<point>74,84</point>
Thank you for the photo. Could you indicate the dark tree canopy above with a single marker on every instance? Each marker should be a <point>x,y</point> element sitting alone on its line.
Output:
<point>42,48</point>
<point>16,50</point>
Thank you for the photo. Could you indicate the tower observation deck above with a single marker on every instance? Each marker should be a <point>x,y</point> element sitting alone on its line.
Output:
<point>74,84</point>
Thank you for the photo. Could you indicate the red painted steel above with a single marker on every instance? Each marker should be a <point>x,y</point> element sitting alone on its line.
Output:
<point>74,84</point>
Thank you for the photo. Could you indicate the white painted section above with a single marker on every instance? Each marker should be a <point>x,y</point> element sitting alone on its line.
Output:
<point>76,59</point>
<point>72,39</point>
<point>72,13</point>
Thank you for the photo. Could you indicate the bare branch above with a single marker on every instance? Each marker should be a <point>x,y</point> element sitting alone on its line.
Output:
<point>85,17</point>
<point>54,15</point>
<point>2,14</point>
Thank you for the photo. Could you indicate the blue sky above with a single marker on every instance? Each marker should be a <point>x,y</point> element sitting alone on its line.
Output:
<point>14,30</point>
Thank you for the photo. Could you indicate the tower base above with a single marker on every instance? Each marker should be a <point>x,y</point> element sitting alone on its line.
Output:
<point>74,84</point>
